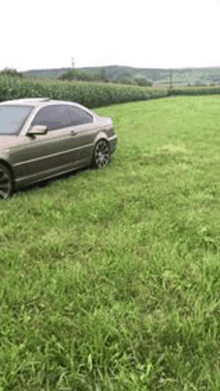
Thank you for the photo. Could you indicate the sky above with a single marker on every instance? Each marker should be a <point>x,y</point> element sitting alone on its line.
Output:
<point>141,33</point>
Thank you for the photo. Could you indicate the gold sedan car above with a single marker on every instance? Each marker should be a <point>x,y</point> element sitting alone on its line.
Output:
<point>42,138</point>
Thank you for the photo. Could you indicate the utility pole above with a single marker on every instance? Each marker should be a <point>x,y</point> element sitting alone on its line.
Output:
<point>72,62</point>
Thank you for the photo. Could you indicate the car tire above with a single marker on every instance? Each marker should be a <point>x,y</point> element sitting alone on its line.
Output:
<point>101,154</point>
<point>6,182</point>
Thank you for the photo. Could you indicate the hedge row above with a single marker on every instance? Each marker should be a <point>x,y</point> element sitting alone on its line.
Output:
<point>194,91</point>
<point>86,93</point>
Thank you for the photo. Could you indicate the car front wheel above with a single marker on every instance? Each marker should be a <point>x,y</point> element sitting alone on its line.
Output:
<point>101,156</point>
<point>6,183</point>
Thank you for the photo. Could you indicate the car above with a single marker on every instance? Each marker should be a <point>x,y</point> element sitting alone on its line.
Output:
<point>42,138</point>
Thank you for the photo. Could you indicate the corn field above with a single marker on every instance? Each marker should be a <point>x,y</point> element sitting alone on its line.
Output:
<point>86,93</point>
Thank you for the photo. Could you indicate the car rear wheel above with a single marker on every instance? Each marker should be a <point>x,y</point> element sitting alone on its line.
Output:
<point>101,155</point>
<point>6,183</point>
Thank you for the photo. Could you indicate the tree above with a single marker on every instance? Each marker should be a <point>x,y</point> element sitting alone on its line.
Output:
<point>102,75</point>
<point>74,74</point>
<point>11,72</point>
<point>142,81</point>
<point>121,76</point>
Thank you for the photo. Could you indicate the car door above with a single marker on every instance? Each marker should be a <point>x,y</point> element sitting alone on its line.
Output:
<point>84,130</point>
<point>46,155</point>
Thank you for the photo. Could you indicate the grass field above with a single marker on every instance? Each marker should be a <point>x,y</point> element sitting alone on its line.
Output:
<point>110,279</point>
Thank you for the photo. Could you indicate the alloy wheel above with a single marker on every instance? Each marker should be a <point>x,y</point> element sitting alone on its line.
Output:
<point>101,154</point>
<point>5,182</point>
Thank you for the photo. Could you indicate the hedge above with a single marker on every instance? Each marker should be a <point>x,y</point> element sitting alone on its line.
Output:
<point>194,91</point>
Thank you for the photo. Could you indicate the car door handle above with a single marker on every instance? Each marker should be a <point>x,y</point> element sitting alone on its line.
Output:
<point>73,132</point>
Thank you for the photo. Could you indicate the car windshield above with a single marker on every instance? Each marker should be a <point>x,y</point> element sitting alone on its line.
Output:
<point>12,118</point>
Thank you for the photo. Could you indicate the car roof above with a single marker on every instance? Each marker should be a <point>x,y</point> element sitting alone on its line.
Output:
<point>36,102</point>
<point>26,101</point>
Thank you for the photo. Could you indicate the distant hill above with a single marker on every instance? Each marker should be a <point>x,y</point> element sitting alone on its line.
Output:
<point>159,76</point>
<point>46,73</point>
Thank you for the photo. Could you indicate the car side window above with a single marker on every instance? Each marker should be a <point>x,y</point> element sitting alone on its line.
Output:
<point>53,116</point>
<point>79,116</point>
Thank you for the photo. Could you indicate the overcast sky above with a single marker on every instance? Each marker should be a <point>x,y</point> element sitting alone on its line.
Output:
<point>144,34</point>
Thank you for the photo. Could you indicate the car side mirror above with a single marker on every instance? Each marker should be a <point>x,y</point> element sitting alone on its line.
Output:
<point>38,130</point>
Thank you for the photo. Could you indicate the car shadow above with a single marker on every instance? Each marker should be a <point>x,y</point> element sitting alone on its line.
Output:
<point>48,182</point>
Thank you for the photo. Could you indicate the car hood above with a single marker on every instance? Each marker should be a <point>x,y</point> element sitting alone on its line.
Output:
<point>8,141</point>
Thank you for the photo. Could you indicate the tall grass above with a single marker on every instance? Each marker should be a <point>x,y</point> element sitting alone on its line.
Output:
<point>110,278</point>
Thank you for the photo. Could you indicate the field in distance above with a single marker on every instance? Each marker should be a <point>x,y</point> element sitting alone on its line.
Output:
<point>110,279</point>
<point>158,76</point>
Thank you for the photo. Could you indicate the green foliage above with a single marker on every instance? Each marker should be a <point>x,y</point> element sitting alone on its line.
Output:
<point>159,76</point>
<point>86,93</point>
<point>77,75</point>
<point>102,75</point>
<point>142,81</point>
<point>126,81</point>
<point>129,81</point>
<point>11,72</point>
<point>121,76</point>
<point>200,83</point>
<point>110,279</point>
<point>199,90</point>
<point>80,75</point>
<point>90,94</point>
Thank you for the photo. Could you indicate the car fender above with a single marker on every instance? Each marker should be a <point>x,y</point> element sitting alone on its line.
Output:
<point>100,135</point>
<point>3,157</point>
<point>4,161</point>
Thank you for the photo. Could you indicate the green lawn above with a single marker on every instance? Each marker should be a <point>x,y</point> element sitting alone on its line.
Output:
<point>110,279</point>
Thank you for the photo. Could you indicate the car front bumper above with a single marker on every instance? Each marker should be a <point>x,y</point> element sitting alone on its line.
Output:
<point>113,143</point>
